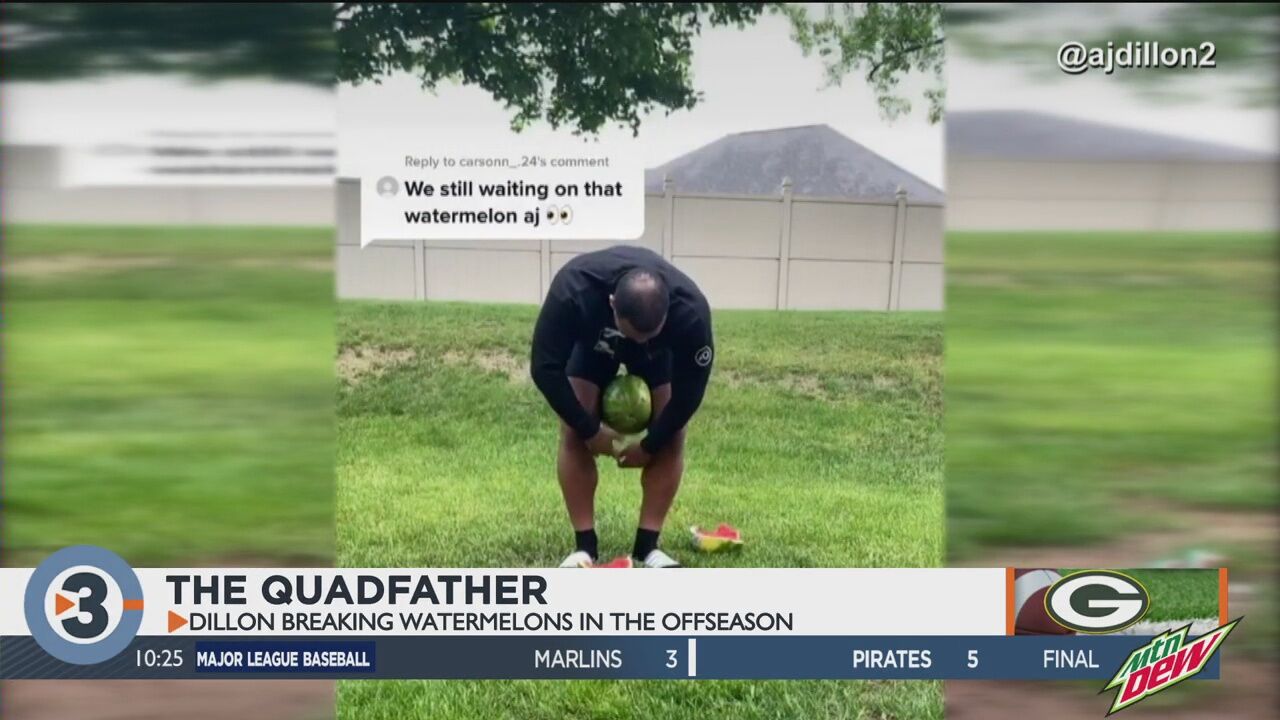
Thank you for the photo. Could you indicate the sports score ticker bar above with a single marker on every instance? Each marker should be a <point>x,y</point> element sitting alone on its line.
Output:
<point>974,657</point>
<point>84,613</point>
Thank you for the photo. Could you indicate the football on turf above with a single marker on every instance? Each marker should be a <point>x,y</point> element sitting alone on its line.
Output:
<point>1030,616</point>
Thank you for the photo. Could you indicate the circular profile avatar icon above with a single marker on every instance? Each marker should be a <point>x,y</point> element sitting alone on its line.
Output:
<point>388,186</point>
<point>83,605</point>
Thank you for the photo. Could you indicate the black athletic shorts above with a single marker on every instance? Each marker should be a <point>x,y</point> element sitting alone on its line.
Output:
<point>599,367</point>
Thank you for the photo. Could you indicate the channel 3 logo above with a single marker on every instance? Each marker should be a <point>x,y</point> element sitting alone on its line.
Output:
<point>83,605</point>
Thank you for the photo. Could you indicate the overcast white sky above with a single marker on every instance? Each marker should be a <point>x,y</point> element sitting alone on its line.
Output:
<point>68,113</point>
<point>752,79</point>
<point>1210,110</point>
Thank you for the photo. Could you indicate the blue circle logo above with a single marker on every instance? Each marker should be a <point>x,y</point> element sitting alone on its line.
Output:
<point>83,605</point>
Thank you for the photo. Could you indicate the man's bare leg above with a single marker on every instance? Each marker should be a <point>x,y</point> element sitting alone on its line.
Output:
<point>575,465</point>
<point>660,479</point>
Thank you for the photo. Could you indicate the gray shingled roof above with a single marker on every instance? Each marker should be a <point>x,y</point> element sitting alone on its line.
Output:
<point>1025,135</point>
<point>820,162</point>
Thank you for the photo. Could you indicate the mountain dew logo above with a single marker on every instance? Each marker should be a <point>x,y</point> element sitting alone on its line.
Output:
<point>1164,662</point>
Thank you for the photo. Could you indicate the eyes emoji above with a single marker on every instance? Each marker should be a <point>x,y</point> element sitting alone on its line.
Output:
<point>554,214</point>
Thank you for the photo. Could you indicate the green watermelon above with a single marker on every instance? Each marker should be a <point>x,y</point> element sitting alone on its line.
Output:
<point>627,404</point>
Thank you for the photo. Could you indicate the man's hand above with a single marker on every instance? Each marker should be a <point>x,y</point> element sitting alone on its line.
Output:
<point>634,456</point>
<point>602,442</point>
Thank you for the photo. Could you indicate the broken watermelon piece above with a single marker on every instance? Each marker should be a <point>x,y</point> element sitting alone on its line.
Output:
<point>618,562</point>
<point>724,537</point>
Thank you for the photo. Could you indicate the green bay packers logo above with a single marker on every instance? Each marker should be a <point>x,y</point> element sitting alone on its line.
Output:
<point>1096,601</point>
<point>83,605</point>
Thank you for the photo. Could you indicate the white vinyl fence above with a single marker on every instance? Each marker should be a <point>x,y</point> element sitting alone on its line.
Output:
<point>32,191</point>
<point>1014,195</point>
<point>777,252</point>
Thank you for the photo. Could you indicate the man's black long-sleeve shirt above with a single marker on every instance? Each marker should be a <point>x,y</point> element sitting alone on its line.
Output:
<point>576,311</point>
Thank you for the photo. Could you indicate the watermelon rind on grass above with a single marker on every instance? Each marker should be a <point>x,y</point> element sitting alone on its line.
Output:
<point>724,537</point>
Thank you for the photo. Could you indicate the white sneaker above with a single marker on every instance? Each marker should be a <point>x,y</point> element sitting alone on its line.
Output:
<point>577,559</point>
<point>658,559</point>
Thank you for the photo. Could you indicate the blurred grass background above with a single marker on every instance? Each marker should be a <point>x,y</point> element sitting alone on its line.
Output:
<point>168,393</point>
<point>1096,382</point>
<point>1111,400</point>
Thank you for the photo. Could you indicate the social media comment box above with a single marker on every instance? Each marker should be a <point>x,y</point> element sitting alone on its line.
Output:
<point>511,188</point>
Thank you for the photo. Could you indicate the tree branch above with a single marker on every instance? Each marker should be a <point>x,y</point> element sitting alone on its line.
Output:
<point>491,14</point>
<point>906,51</point>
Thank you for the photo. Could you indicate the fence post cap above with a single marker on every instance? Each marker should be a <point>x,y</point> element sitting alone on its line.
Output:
<point>901,193</point>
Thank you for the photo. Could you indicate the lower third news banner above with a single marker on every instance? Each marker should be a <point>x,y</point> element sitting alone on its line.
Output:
<point>84,613</point>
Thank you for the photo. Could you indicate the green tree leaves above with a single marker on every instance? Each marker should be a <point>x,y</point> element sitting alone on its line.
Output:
<point>577,65</point>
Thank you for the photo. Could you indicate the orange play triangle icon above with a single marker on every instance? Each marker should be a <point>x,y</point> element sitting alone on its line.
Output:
<point>61,603</point>
<point>176,621</point>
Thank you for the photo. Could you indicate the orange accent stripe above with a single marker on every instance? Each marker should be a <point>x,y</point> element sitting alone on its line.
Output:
<point>1008,601</point>
<point>132,604</point>
<point>1224,611</point>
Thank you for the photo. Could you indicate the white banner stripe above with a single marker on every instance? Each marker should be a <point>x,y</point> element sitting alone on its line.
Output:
<point>383,602</point>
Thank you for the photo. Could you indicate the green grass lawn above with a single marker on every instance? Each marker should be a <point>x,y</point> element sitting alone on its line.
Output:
<point>1179,594</point>
<point>1175,594</point>
<point>169,393</point>
<point>820,438</point>
<point>1096,379</point>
